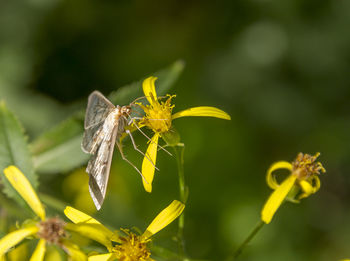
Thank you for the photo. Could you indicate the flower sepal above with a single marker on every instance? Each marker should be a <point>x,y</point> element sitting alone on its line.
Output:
<point>293,195</point>
<point>171,137</point>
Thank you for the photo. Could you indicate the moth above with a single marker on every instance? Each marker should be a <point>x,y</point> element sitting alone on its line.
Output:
<point>104,126</point>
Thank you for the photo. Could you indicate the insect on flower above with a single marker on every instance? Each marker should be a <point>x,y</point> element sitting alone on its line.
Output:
<point>104,126</point>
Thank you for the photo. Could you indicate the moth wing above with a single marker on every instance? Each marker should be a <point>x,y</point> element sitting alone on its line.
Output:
<point>90,137</point>
<point>97,109</point>
<point>98,169</point>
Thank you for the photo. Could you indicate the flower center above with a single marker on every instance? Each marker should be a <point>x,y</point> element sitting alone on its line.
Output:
<point>132,248</point>
<point>158,115</point>
<point>305,166</point>
<point>52,230</point>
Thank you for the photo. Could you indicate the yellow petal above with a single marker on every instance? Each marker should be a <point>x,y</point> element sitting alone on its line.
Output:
<point>73,251</point>
<point>39,251</point>
<point>276,199</point>
<point>149,89</point>
<point>147,167</point>
<point>92,231</point>
<point>20,183</point>
<point>103,257</point>
<point>270,179</point>
<point>317,183</point>
<point>307,188</point>
<point>15,237</point>
<point>77,216</point>
<point>164,218</point>
<point>204,111</point>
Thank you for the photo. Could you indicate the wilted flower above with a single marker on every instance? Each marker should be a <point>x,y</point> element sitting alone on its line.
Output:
<point>301,183</point>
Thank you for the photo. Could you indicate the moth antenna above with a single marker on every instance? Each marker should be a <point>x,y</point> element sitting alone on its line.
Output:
<point>139,98</point>
<point>145,97</point>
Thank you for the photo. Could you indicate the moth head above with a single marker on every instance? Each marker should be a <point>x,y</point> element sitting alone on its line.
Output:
<point>126,110</point>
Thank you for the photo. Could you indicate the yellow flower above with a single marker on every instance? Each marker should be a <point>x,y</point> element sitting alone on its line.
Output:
<point>301,183</point>
<point>48,230</point>
<point>129,247</point>
<point>159,117</point>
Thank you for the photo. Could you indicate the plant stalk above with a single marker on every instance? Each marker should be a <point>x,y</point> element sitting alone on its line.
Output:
<point>179,154</point>
<point>239,250</point>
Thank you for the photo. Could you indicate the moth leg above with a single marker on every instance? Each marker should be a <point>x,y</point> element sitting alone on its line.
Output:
<point>124,158</point>
<point>137,149</point>
<point>144,134</point>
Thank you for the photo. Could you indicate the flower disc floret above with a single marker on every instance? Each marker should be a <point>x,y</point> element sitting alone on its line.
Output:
<point>305,166</point>
<point>52,230</point>
<point>158,114</point>
<point>132,247</point>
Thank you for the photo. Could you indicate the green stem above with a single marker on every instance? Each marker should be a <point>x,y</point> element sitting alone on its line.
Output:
<point>246,241</point>
<point>179,154</point>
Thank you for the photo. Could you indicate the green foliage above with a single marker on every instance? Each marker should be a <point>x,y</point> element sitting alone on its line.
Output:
<point>166,79</point>
<point>14,151</point>
<point>54,150</point>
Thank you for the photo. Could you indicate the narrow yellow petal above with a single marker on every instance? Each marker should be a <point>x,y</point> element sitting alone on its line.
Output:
<point>203,111</point>
<point>73,251</point>
<point>20,183</point>
<point>92,231</point>
<point>164,218</point>
<point>149,89</point>
<point>15,237</point>
<point>103,257</point>
<point>147,167</point>
<point>39,251</point>
<point>307,189</point>
<point>270,179</point>
<point>79,217</point>
<point>276,199</point>
<point>317,183</point>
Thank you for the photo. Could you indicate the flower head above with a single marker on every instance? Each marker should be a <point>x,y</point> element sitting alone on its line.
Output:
<point>132,247</point>
<point>47,230</point>
<point>158,117</point>
<point>129,246</point>
<point>301,183</point>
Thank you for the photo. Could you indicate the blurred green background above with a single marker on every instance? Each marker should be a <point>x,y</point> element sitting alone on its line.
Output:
<point>279,68</point>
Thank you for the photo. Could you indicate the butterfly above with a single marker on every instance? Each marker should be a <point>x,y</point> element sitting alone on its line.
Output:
<point>104,126</point>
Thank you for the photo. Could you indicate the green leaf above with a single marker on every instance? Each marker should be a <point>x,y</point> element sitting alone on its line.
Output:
<point>58,150</point>
<point>14,151</point>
